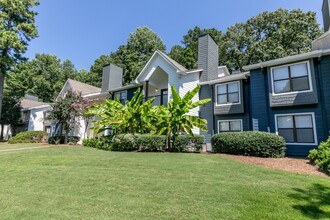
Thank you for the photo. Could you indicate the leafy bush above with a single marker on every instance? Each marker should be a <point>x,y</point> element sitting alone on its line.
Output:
<point>321,155</point>
<point>144,143</point>
<point>187,143</point>
<point>150,142</point>
<point>250,143</point>
<point>125,142</point>
<point>28,137</point>
<point>103,142</point>
<point>60,139</point>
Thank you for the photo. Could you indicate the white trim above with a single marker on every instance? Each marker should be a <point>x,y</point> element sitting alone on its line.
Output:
<point>66,82</point>
<point>137,81</point>
<point>293,92</point>
<point>293,114</point>
<point>91,94</point>
<point>194,71</point>
<point>225,79</point>
<point>239,93</point>
<point>230,120</point>
<point>36,107</point>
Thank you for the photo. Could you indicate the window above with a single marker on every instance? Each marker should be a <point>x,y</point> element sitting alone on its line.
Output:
<point>297,128</point>
<point>230,126</point>
<point>291,78</point>
<point>228,93</point>
<point>122,96</point>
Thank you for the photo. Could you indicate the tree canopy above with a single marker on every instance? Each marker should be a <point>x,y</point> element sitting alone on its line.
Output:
<point>267,36</point>
<point>17,28</point>
<point>43,76</point>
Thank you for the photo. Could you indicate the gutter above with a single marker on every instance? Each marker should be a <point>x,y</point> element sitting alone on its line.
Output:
<point>289,59</point>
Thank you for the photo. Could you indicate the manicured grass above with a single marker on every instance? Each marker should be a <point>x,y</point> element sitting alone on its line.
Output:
<point>83,183</point>
<point>6,146</point>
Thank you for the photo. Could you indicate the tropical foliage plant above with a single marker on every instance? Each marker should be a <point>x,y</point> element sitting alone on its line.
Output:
<point>136,116</point>
<point>132,117</point>
<point>175,119</point>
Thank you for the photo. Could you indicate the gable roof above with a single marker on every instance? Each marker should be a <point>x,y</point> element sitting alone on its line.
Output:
<point>179,68</point>
<point>28,104</point>
<point>176,64</point>
<point>84,88</point>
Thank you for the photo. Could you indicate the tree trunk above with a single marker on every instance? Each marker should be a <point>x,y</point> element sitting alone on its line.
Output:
<point>1,135</point>
<point>66,137</point>
<point>2,83</point>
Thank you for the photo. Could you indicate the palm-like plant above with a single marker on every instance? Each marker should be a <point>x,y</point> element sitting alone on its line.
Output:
<point>133,117</point>
<point>174,119</point>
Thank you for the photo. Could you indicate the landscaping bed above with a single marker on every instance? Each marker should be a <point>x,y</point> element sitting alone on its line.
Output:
<point>296,165</point>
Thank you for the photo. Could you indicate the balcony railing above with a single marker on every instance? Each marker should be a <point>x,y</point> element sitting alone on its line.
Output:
<point>159,100</point>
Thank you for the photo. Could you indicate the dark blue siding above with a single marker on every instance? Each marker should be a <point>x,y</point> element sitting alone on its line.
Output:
<point>206,111</point>
<point>259,104</point>
<point>262,111</point>
<point>245,117</point>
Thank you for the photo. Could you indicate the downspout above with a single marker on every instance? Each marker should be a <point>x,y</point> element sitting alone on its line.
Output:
<point>324,111</point>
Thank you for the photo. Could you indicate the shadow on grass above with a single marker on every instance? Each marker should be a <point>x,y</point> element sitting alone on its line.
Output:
<point>314,202</point>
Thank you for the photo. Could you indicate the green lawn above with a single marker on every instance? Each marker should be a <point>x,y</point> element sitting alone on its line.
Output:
<point>83,183</point>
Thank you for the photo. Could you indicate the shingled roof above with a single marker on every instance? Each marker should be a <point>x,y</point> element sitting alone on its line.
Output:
<point>27,103</point>
<point>84,88</point>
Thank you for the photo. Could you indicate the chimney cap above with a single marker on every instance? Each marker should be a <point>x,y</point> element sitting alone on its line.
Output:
<point>209,34</point>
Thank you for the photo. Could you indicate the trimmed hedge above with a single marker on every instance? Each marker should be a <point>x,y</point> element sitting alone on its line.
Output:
<point>321,155</point>
<point>151,143</point>
<point>187,143</point>
<point>249,143</point>
<point>125,142</point>
<point>145,143</point>
<point>103,142</point>
<point>28,137</point>
<point>60,139</point>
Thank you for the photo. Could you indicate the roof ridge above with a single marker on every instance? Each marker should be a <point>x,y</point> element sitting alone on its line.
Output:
<point>175,63</point>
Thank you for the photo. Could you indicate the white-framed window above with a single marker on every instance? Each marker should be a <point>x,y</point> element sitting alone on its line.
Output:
<point>298,128</point>
<point>122,96</point>
<point>228,93</point>
<point>230,125</point>
<point>293,78</point>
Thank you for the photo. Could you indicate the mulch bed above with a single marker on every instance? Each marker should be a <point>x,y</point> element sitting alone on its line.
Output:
<point>295,165</point>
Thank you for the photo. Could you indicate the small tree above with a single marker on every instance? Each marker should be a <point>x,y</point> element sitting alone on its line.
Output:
<point>175,119</point>
<point>81,106</point>
<point>63,113</point>
<point>11,113</point>
<point>132,117</point>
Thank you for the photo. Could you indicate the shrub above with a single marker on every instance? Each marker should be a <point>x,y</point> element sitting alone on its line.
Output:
<point>187,143</point>
<point>150,142</point>
<point>250,143</point>
<point>28,137</point>
<point>60,139</point>
<point>103,142</point>
<point>125,142</point>
<point>321,155</point>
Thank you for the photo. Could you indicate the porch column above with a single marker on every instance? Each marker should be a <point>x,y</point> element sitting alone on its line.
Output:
<point>147,91</point>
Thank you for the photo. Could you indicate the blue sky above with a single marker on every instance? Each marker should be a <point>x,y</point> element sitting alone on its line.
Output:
<point>81,30</point>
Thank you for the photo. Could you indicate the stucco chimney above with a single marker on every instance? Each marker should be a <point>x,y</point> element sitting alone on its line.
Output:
<point>208,57</point>
<point>112,77</point>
